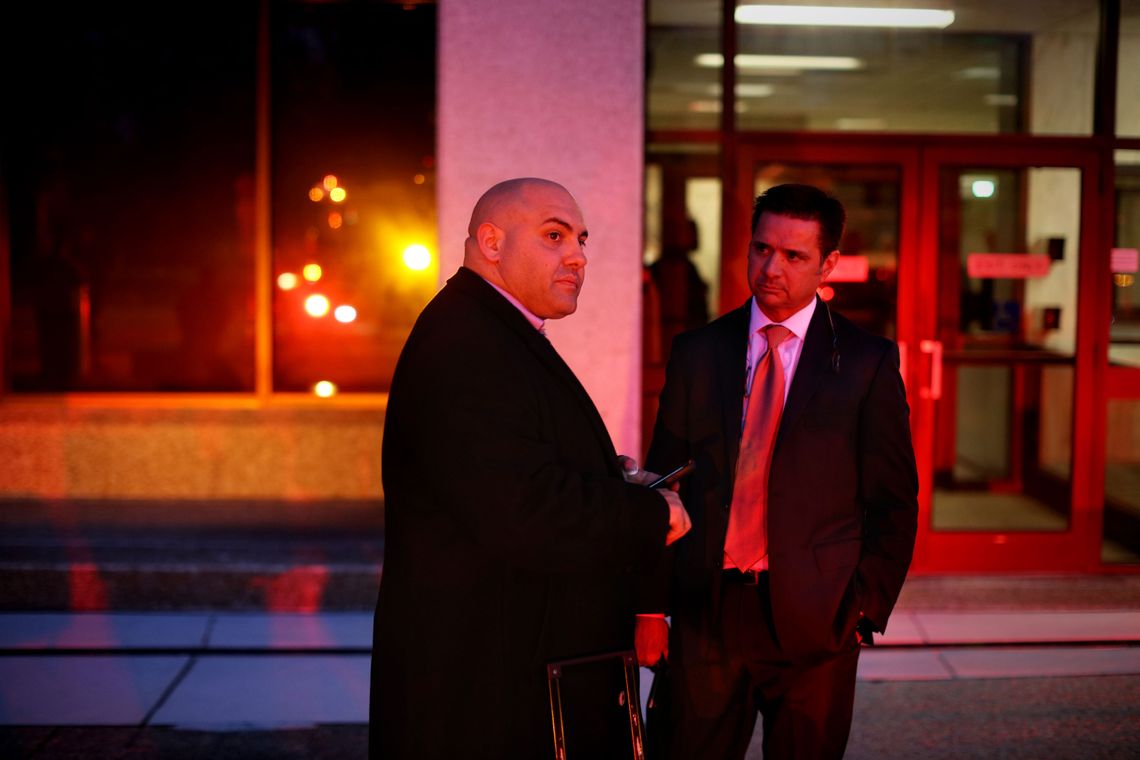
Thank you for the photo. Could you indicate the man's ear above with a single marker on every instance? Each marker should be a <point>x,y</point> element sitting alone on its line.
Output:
<point>490,239</point>
<point>828,264</point>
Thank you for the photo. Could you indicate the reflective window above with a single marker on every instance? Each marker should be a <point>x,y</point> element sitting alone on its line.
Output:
<point>353,189</point>
<point>1007,290</point>
<point>129,177</point>
<point>1122,483</point>
<point>1124,346</point>
<point>1018,66</point>
<point>128,158</point>
<point>681,95</point>
<point>1127,83</point>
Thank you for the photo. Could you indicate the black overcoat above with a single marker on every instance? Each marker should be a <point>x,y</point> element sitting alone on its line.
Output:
<point>509,539</point>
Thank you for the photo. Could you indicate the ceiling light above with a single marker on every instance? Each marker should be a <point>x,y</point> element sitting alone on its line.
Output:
<point>825,15</point>
<point>797,62</point>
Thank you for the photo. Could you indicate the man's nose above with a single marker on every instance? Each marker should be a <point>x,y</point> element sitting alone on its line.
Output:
<point>576,259</point>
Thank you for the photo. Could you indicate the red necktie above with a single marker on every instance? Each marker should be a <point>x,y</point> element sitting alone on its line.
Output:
<point>747,539</point>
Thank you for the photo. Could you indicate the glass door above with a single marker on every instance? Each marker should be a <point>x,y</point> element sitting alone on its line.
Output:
<point>1004,367</point>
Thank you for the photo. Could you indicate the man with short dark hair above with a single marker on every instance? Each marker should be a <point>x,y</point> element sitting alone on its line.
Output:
<point>511,533</point>
<point>804,502</point>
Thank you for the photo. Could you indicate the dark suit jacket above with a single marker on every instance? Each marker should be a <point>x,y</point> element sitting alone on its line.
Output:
<point>843,486</point>
<point>509,538</point>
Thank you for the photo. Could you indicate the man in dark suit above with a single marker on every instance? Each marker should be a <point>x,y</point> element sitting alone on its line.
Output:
<point>804,502</point>
<point>511,534</point>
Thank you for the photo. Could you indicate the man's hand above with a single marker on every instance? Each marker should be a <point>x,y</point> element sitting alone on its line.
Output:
<point>651,640</point>
<point>633,473</point>
<point>679,522</point>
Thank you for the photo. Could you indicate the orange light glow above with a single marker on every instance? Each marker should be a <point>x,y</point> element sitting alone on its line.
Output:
<point>287,281</point>
<point>330,181</point>
<point>312,272</point>
<point>335,220</point>
<point>325,389</point>
<point>345,314</point>
<point>337,195</point>
<point>827,292</point>
<point>317,305</point>
<point>419,179</point>
<point>316,194</point>
<point>417,257</point>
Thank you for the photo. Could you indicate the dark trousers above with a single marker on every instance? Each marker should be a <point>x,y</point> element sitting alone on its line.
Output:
<point>720,681</point>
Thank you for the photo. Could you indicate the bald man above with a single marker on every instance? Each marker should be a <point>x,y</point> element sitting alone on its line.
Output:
<point>511,534</point>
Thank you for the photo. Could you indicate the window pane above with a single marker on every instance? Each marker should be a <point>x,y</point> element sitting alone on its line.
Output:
<point>128,169</point>
<point>682,95</point>
<point>1124,335</point>
<point>998,67</point>
<point>1122,483</point>
<point>1127,83</point>
<point>353,112</point>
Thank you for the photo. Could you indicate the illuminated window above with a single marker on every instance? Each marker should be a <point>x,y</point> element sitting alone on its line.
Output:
<point>129,171</point>
<point>353,115</point>
<point>129,168</point>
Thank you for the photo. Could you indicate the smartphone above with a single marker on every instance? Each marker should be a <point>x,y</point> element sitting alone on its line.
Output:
<point>670,478</point>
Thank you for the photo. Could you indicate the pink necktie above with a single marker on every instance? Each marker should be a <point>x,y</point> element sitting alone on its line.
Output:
<point>747,539</point>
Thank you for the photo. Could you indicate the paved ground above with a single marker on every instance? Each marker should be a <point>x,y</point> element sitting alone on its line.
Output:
<point>1028,683</point>
<point>180,630</point>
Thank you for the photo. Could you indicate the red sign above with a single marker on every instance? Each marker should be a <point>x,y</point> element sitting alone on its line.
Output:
<point>1008,266</point>
<point>850,269</point>
<point>1125,260</point>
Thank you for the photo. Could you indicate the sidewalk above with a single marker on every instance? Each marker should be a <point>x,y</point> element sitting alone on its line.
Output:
<point>224,631</point>
<point>263,670</point>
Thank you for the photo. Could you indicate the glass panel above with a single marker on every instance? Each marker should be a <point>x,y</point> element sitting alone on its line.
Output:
<point>1019,66</point>
<point>1006,312</point>
<point>864,286</point>
<point>679,94</point>
<point>355,116</point>
<point>682,255</point>
<point>1127,83</point>
<point>1124,336</point>
<point>1122,483</point>
<point>128,170</point>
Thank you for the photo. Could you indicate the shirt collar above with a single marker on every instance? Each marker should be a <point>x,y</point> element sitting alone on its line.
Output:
<point>797,324</point>
<point>536,322</point>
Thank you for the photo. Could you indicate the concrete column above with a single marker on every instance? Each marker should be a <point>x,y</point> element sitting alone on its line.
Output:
<point>554,89</point>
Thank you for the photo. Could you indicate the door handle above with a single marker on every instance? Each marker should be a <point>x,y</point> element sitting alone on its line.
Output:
<point>934,390</point>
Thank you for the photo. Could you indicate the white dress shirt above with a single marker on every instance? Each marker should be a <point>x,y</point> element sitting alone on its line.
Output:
<point>790,349</point>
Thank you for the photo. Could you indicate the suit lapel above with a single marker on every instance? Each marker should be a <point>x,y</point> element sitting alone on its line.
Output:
<point>474,285</point>
<point>812,369</point>
<point>731,357</point>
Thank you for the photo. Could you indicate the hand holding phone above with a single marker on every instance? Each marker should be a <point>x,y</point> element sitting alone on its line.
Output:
<point>672,477</point>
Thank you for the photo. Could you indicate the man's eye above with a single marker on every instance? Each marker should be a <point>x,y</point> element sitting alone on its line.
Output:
<point>554,235</point>
<point>582,242</point>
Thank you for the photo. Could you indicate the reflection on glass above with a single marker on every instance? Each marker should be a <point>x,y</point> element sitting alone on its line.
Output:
<point>1124,336</point>
<point>128,165</point>
<point>681,279</point>
<point>1122,483</point>
<point>680,93</point>
<point>1128,63</point>
<point>1015,66</point>
<point>1008,262</point>
<point>353,188</point>
<point>864,286</point>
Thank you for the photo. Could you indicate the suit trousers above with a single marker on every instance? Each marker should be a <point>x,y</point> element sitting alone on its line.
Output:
<point>725,673</point>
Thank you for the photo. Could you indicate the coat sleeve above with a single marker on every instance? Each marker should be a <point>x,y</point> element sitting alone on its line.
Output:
<point>888,491</point>
<point>507,478</point>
